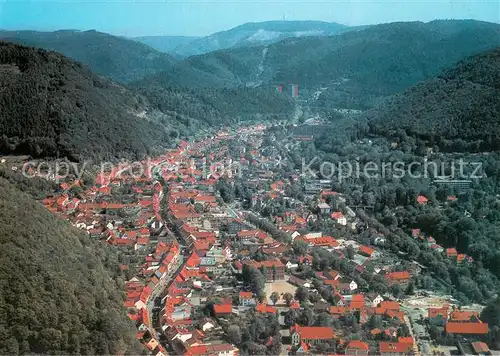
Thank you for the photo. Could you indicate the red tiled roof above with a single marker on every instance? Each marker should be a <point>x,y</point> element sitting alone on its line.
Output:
<point>366,250</point>
<point>466,328</point>
<point>264,308</point>
<point>223,309</point>
<point>339,310</point>
<point>458,315</point>
<point>394,347</point>
<point>358,345</point>
<point>451,252</point>
<point>357,301</point>
<point>480,347</point>
<point>406,340</point>
<point>246,295</point>
<point>398,276</point>
<point>337,215</point>
<point>435,312</point>
<point>314,332</point>
<point>422,200</point>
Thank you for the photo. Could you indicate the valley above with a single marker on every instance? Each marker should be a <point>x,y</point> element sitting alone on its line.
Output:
<point>281,188</point>
<point>196,226</point>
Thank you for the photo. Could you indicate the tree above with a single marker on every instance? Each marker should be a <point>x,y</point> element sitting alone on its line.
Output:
<point>301,294</point>
<point>198,208</point>
<point>410,290</point>
<point>396,291</point>
<point>290,317</point>
<point>287,297</point>
<point>274,297</point>
<point>234,334</point>
<point>300,247</point>
<point>253,278</point>
<point>350,252</point>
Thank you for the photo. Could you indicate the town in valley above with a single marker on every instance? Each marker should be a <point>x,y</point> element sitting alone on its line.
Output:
<point>227,246</point>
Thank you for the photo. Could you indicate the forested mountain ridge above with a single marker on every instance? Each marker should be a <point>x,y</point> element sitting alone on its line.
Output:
<point>457,109</point>
<point>166,44</point>
<point>118,58</point>
<point>258,34</point>
<point>353,70</point>
<point>54,107</point>
<point>56,292</point>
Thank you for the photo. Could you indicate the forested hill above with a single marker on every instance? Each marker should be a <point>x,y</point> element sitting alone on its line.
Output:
<point>52,106</point>
<point>118,58</point>
<point>56,294</point>
<point>259,33</point>
<point>459,109</point>
<point>353,70</point>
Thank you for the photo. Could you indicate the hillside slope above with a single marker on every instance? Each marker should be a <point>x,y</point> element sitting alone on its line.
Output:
<point>257,34</point>
<point>459,106</point>
<point>384,59</point>
<point>166,44</point>
<point>118,58</point>
<point>352,70</point>
<point>56,295</point>
<point>52,106</point>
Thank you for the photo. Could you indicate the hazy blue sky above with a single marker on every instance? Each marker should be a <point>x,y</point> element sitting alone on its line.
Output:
<point>202,17</point>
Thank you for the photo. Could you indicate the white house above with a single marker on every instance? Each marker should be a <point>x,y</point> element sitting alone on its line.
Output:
<point>339,217</point>
<point>207,325</point>
<point>377,300</point>
<point>353,285</point>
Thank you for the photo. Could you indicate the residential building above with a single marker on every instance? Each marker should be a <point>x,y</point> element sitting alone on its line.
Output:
<point>311,334</point>
<point>246,299</point>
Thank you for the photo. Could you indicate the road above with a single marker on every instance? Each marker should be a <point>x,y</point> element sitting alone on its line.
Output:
<point>417,330</point>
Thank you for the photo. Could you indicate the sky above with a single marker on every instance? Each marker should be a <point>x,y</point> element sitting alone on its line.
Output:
<point>203,17</point>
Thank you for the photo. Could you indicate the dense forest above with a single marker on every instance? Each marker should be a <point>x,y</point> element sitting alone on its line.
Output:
<point>457,111</point>
<point>118,58</point>
<point>453,118</point>
<point>52,106</point>
<point>354,69</point>
<point>57,292</point>
<point>217,106</point>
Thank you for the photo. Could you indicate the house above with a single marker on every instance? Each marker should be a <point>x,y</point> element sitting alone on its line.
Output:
<point>451,252</point>
<point>151,344</point>
<point>223,310</point>
<point>274,270</point>
<point>458,315</point>
<point>398,277</point>
<point>296,281</point>
<point>438,316</point>
<point>357,302</point>
<point>348,287</point>
<point>339,217</point>
<point>211,350</point>
<point>265,309</point>
<point>422,200</point>
<point>324,208</point>
<point>207,324</point>
<point>394,348</point>
<point>246,299</point>
<point>366,251</point>
<point>302,349</point>
<point>466,328</point>
<point>480,348</point>
<point>311,334</point>
<point>373,299</point>
<point>357,347</point>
